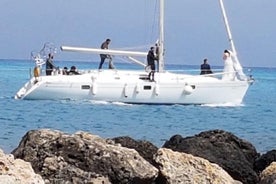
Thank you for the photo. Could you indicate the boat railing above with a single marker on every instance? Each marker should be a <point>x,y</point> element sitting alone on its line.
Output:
<point>217,73</point>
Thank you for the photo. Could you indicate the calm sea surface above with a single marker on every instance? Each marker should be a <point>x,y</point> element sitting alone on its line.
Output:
<point>253,121</point>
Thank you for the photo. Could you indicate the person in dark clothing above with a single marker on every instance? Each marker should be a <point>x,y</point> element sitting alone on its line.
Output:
<point>104,56</point>
<point>65,71</point>
<point>205,68</point>
<point>157,55</point>
<point>151,58</point>
<point>49,64</point>
<point>73,71</point>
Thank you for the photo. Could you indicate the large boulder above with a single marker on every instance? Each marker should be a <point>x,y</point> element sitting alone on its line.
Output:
<point>265,160</point>
<point>17,171</point>
<point>268,176</point>
<point>176,167</point>
<point>234,155</point>
<point>82,158</point>
<point>145,148</point>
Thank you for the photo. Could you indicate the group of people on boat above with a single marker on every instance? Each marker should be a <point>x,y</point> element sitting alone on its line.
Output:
<point>228,70</point>
<point>50,67</point>
<point>152,56</point>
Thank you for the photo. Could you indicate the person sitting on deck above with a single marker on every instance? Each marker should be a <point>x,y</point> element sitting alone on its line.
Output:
<point>73,71</point>
<point>65,71</point>
<point>205,68</point>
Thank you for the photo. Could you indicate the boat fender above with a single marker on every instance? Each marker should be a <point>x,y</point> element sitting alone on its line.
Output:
<point>94,85</point>
<point>36,71</point>
<point>94,88</point>
<point>125,90</point>
<point>137,88</point>
<point>157,90</point>
<point>93,78</point>
<point>188,89</point>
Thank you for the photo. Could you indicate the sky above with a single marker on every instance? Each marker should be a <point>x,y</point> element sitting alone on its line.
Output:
<point>194,29</point>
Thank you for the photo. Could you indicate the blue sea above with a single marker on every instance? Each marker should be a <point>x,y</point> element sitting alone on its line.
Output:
<point>253,121</point>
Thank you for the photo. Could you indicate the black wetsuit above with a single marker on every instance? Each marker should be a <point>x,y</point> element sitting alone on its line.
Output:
<point>151,58</point>
<point>49,66</point>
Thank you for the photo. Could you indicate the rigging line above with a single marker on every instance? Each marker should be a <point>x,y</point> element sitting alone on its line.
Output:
<point>146,46</point>
<point>150,16</point>
<point>125,60</point>
<point>154,19</point>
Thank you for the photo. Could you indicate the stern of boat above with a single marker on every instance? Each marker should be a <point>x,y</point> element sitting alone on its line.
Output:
<point>26,89</point>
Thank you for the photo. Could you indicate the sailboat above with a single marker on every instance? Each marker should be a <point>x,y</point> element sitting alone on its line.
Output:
<point>134,86</point>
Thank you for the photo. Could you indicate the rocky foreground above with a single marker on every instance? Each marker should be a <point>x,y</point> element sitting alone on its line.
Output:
<point>211,157</point>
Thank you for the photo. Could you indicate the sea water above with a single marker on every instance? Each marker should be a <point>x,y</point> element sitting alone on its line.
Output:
<point>254,120</point>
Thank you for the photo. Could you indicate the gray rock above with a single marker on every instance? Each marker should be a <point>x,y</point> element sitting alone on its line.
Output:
<point>268,176</point>
<point>176,167</point>
<point>145,148</point>
<point>17,171</point>
<point>265,160</point>
<point>234,155</point>
<point>82,158</point>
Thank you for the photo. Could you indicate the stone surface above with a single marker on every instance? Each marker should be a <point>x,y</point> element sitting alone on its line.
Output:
<point>82,158</point>
<point>265,160</point>
<point>17,171</point>
<point>176,167</point>
<point>268,176</point>
<point>145,148</point>
<point>234,155</point>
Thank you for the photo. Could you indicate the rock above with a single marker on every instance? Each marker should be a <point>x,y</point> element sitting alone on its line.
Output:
<point>268,176</point>
<point>176,167</point>
<point>145,148</point>
<point>234,155</point>
<point>265,160</point>
<point>82,158</point>
<point>17,171</point>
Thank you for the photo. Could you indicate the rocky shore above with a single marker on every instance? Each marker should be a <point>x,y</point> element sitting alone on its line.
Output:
<point>211,157</point>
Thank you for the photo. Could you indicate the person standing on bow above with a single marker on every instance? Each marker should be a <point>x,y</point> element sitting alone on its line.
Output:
<point>49,64</point>
<point>228,70</point>
<point>205,68</point>
<point>104,45</point>
<point>151,58</point>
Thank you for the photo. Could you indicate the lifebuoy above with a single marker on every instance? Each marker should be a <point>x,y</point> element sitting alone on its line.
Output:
<point>36,71</point>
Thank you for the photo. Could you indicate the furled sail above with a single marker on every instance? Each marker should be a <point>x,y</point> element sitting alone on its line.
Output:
<point>234,56</point>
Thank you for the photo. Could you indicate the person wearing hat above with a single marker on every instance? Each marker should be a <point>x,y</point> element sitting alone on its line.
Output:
<point>104,45</point>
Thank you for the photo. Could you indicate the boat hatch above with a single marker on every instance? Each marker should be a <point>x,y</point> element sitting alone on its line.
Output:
<point>147,87</point>
<point>144,77</point>
<point>85,87</point>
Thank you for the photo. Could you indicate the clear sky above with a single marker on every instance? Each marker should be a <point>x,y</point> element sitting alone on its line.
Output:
<point>194,29</point>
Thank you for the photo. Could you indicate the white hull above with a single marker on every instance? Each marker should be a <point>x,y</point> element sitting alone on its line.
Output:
<point>133,87</point>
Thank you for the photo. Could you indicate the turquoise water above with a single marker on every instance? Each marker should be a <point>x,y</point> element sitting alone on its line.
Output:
<point>253,121</point>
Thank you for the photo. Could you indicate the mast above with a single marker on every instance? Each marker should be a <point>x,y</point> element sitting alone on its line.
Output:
<point>227,27</point>
<point>236,62</point>
<point>161,37</point>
